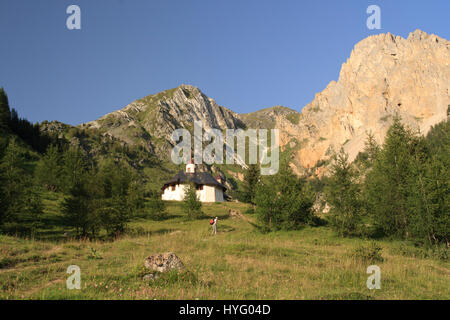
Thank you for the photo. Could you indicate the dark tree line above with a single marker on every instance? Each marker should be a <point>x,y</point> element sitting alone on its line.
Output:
<point>99,193</point>
<point>97,196</point>
<point>20,202</point>
<point>104,198</point>
<point>30,133</point>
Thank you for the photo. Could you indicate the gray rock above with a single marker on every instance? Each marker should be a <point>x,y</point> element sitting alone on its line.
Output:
<point>163,262</point>
<point>234,213</point>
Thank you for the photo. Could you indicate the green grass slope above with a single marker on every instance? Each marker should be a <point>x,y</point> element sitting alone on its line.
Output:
<point>238,263</point>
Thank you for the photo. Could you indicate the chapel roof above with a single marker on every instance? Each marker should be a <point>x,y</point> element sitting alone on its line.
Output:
<point>204,178</point>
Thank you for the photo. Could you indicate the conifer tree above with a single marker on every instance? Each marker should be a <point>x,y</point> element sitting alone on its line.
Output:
<point>429,188</point>
<point>77,207</point>
<point>74,168</point>
<point>370,153</point>
<point>191,204</point>
<point>114,214</point>
<point>135,196</point>
<point>371,147</point>
<point>343,194</point>
<point>283,201</point>
<point>157,207</point>
<point>121,195</point>
<point>387,184</point>
<point>32,211</point>
<point>5,112</point>
<point>49,169</point>
<point>251,179</point>
<point>15,180</point>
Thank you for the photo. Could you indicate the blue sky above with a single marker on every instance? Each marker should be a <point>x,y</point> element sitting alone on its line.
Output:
<point>245,54</point>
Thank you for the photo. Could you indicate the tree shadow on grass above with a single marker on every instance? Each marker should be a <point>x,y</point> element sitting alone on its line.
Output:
<point>139,231</point>
<point>225,216</point>
<point>157,218</point>
<point>375,232</point>
<point>318,222</point>
<point>258,227</point>
<point>225,228</point>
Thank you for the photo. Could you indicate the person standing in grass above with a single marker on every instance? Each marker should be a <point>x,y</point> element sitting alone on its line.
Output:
<point>214,226</point>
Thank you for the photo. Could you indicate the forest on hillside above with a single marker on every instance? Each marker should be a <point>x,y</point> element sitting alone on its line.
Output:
<point>399,189</point>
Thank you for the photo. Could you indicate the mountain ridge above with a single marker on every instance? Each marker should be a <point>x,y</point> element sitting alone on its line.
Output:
<point>384,75</point>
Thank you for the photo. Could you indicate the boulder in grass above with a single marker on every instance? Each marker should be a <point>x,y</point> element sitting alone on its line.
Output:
<point>163,262</point>
<point>234,213</point>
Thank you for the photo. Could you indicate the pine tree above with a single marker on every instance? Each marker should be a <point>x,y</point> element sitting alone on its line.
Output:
<point>387,184</point>
<point>251,179</point>
<point>135,196</point>
<point>5,112</point>
<point>82,206</point>
<point>191,204</point>
<point>4,200</point>
<point>283,201</point>
<point>343,194</point>
<point>296,196</point>
<point>49,169</point>
<point>371,148</point>
<point>120,196</point>
<point>364,160</point>
<point>15,180</point>
<point>269,205</point>
<point>157,207</point>
<point>429,188</point>
<point>114,214</point>
<point>32,211</point>
<point>428,202</point>
<point>76,208</point>
<point>116,178</point>
<point>74,168</point>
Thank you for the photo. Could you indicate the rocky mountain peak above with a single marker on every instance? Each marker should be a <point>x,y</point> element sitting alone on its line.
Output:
<point>419,35</point>
<point>150,121</point>
<point>384,75</point>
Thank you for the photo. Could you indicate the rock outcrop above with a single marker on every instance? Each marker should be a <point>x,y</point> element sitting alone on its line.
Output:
<point>151,120</point>
<point>384,75</point>
<point>163,262</point>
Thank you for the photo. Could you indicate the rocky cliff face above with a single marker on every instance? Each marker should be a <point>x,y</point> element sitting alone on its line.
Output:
<point>384,75</point>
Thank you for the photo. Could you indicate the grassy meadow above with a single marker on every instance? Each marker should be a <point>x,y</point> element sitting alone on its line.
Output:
<point>239,262</point>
